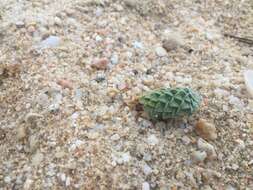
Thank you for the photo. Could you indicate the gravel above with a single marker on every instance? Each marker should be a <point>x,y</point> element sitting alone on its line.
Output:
<point>69,76</point>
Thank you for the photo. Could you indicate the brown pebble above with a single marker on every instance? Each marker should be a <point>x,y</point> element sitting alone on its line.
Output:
<point>100,64</point>
<point>206,130</point>
<point>65,83</point>
<point>22,133</point>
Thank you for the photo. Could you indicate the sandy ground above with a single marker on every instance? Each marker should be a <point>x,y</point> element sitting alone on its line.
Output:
<point>70,69</point>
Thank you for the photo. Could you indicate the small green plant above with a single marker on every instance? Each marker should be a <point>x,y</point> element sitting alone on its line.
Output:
<point>170,103</point>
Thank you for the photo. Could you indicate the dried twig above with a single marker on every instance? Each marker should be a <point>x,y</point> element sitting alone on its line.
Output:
<point>240,39</point>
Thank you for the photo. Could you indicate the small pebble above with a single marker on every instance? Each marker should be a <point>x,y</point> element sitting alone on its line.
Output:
<point>37,159</point>
<point>62,176</point>
<point>207,147</point>
<point>240,144</point>
<point>152,140</point>
<point>68,181</point>
<point>126,157</point>
<point>145,123</point>
<point>234,167</point>
<point>70,12</point>
<point>115,59</point>
<point>248,78</point>
<point>57,21</point>
<point>7,179</point>
<point>171,40</point>
<point>198,156</point>
<point>138,45</point>
<point>100,64</point>
<point>98,12</point>
<point>115,137</point>
<point>230,187</point>
<point>147,157</point>
<point>50,42</point>
<point>20,24</point>
<point>21,133</point>
<point>28,183</point>
<point>131,3</point>
<point>53,108</point>
<point>43,100</point>
<point>146,169</point>
<point>235,101</point>
<point>121,157</point>
<point>186,140</point>
<point>161,52</point>
<point>206,130</point>
<point>145,186</point>
<point>65,83</point>
<point>98,38</point>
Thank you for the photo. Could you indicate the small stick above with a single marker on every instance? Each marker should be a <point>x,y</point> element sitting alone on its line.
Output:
<point>240,39</point>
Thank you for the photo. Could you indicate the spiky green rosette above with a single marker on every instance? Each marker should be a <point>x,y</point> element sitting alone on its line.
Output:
<point>170,103</point>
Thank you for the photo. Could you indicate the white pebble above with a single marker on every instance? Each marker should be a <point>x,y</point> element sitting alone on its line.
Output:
<point>98,38</point>
<point>235,167</point>
<point>126,157</point>
<point>121,157</point>
<point>145,186</point>
<point>67,182</point>
<point>98,12</point>
<point>50,42</point>
<point>161,52</point>
<point>63,177</point>
<point>207,147</point>
<point>115,137</point>
<point>57,21</point>
<point>146,169</point>
<point>7,179</point>
<point>20,24</point>
<point>53,107</point>
<point>198,156</point>
<point>115,59</point>
<point>147,157</point>
<point>248,77</point>
<point>230,187</point>
<point>28,183</point>
<point>138,45</point>
<point>152,140</point>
